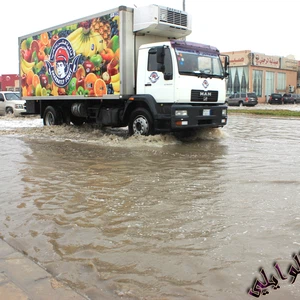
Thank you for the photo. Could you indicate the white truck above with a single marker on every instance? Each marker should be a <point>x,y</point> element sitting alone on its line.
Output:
<point>11,104</point>
<point>124,67</point>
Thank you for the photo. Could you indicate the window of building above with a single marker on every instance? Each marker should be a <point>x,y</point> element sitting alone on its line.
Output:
<point>257,77</point>
<point>281,81</point>
<point>238,80</point>
<point>270,83</point>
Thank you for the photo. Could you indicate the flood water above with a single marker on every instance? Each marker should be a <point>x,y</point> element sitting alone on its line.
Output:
<point>155,217</point>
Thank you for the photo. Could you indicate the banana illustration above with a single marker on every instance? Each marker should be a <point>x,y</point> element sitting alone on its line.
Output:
<point>86,43</point>
<point>74,35</point>
<point>76,42</point>
<point>80,49</point>
<point>26,66</point>
<point>100,43</point>
<point>88,49</point>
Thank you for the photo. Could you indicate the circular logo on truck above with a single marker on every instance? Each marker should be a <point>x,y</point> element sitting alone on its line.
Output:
<point>62,62</point>
<point>153,77</point>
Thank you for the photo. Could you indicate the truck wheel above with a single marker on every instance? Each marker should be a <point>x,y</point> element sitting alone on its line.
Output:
<point>140,122</point>
<point>9,111</point>
<point>52,116</point>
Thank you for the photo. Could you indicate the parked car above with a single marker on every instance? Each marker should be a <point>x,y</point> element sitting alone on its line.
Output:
<point>242,99</point>
<point>10,103</point>
<point>288,99</point>
<point>275,98</point>
<point>296,98</point>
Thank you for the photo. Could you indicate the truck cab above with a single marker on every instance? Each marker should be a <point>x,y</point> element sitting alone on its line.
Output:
<point>182,72</point>
<point>187,81</point>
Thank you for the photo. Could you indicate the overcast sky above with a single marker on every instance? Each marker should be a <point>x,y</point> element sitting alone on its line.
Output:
<point>265,26</point>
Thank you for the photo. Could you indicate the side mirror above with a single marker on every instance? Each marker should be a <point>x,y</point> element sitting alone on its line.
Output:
<point>226,64</point>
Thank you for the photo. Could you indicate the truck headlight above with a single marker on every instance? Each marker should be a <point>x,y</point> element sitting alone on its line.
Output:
<point>19,106</point>
<point>224,112</point>
<point>181,113</point>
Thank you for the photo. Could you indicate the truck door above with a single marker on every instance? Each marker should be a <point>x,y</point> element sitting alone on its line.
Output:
<point>159,81</point>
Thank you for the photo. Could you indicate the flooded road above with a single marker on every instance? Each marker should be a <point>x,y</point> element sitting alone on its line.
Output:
<point>155,217</point>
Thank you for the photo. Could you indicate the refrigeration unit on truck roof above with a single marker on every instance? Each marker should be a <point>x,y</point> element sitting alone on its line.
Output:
<point>162,21</point>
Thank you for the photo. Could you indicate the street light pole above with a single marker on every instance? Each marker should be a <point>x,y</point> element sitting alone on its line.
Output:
<point>183,5</point>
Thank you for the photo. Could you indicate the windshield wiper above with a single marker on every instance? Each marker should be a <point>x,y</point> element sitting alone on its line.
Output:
<point>200,74</point>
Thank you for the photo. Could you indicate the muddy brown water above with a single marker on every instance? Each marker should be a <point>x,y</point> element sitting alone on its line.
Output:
<point>155,217</point>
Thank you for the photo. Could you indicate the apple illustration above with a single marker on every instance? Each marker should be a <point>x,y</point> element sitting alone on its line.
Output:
<point>106,77</point>
<point>107,54</point>
<point>112,71</point>
<point>27,54</point>
<point>41,55</point>
<point>35,46</point>
<point>111,67</point>
<point>96,59</point>
<point>72,85</point>
<point>43,80</point>
<point>54,38</point>
<point>80,82</point>
<point>23,80</point>
<point>88,66</point>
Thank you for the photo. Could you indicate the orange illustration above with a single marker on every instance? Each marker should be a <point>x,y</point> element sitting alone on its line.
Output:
<point>80,72</point>
<point>89,81</point>
<point>35,80</point>
<point>45,38</point>
<point>30,90</point>
<point>100,87</point>
<point>29,77</point>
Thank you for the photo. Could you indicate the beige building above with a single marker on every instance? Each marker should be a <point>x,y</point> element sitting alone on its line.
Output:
<point>262,74</point>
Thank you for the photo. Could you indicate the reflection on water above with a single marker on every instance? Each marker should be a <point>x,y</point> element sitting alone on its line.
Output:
<point>157,218</point>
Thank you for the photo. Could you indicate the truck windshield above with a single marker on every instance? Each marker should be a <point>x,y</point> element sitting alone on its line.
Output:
<point>201,64</point>
<point>12,96</point>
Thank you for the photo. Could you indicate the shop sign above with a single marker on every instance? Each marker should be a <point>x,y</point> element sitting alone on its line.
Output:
<point>262,60</point>
<point>289,64</point>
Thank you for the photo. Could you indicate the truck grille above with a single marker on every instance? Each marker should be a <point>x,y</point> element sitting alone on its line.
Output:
<point>204,96</point>
<point>173,17</point>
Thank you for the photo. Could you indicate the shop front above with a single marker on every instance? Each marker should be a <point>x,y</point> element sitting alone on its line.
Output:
<point>260,73</point>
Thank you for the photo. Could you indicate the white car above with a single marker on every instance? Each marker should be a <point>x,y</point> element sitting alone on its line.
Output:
<point>10,103</point>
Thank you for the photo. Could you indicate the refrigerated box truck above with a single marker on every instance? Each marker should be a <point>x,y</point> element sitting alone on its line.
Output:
<point>124,67</point>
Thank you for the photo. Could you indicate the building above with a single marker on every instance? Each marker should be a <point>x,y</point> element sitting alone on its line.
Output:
<point>9,82</point>
<point>262,74</point>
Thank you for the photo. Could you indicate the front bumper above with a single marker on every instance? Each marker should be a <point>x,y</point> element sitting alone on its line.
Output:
<point>19,112</point>
<point>198,116</point>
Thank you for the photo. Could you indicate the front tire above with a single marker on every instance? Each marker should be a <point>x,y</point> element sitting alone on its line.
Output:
<point>52,116</point>
<point>9,111</point>
<point>140,122</point>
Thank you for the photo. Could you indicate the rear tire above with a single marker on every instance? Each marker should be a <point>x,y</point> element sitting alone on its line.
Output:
<point>140,122</point>
<point>52,116</point>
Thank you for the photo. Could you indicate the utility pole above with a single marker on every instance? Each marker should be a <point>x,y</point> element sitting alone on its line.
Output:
<point>183,5</point>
